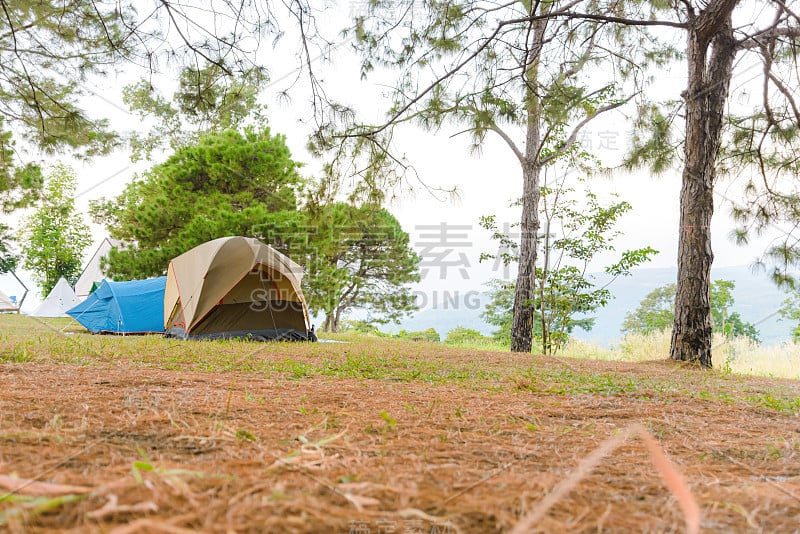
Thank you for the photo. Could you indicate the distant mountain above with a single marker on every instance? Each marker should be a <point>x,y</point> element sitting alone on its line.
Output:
<point>755,297</point>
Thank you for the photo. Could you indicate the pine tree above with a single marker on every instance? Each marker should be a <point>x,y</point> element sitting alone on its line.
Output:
<point>229,183</point>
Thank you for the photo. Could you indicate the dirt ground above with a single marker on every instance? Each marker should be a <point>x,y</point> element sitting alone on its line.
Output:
<point>154,450</point>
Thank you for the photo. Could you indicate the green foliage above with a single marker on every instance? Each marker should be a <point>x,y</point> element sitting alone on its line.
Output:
<point>485,68</point>
<point>653,145</point>
<point>245,435</point>
<point>565,293</point>
<point>656,312</point>
<point>429,334</point>
<point>356,257</point>
<point>736,327</point>
<point>464,337</point>
<point>47,49</point>
<point>565,289</point>
<point>20,185</point>
<point>498,312</point>
<point>790,310</point>
<point>233,183</point>
<point>31,506</point>
<point>207,101</point>
<point>8,260</point>
<point>229,183</point>
<point>728,324</point>
<point>494,88</point>
<point>55,235</point>
<point>55,54</point>
<point>361,326</point>
<point>390,421</point>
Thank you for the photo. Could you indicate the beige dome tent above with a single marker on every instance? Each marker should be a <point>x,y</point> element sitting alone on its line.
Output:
<point>235,287</point>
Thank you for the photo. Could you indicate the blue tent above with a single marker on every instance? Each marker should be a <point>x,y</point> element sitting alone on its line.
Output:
<point>135,307</point>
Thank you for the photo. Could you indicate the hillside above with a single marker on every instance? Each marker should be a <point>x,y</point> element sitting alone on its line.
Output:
<point>142,434</point>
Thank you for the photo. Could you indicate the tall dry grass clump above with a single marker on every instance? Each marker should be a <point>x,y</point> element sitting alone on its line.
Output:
<point>631,348</point>
<point>739,355</point>
<point>642,347</point>
<point>743,356</point>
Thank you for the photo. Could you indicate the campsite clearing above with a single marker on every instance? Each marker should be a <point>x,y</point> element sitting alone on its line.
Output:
<point>145,434</point>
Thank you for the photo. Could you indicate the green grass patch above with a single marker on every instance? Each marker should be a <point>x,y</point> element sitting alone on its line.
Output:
<point>32,506</point>
<point>27,341</point>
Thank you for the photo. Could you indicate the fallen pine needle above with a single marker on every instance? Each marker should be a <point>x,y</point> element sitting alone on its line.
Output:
<point>668,472</point>
<point>149,525</point>
<point>113,507</point>
<point>360,501</point>
<point>768,481</point>
<point>24,486</point>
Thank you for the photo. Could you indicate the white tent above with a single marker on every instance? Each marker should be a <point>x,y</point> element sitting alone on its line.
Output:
<point>93,272</point>
<point>12,303</point>
<point>6,304</point>
<point>60,299</point>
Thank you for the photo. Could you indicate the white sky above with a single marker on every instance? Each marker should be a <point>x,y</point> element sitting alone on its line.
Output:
<point>486,184</point>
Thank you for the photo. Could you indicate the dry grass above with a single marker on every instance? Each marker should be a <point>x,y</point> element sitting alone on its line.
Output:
<point>739,356</point>
<point>142,434</point>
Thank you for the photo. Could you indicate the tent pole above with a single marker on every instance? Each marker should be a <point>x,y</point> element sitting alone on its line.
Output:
<point>25,294</point>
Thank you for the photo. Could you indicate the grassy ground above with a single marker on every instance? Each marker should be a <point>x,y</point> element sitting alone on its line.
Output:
<point>144,434</point>
<point>731,355</point>
<point>738,356</point>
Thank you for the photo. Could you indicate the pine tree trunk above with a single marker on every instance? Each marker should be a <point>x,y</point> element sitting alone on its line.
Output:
<point>707,93</point>
<point>522,325</point>
<point>522,321</point>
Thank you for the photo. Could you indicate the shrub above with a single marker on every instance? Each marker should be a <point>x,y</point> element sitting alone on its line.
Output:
<point>361,327</point>
<point>466,336</point>
<point>429,334</point>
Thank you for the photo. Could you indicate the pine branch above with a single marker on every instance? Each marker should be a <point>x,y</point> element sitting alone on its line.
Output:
<point>563,13</point>
<point>577,129</point>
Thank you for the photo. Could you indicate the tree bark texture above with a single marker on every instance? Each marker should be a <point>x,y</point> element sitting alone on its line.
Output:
<point>522,325</point>
<point>522,321</point>
<point>710,32</point>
